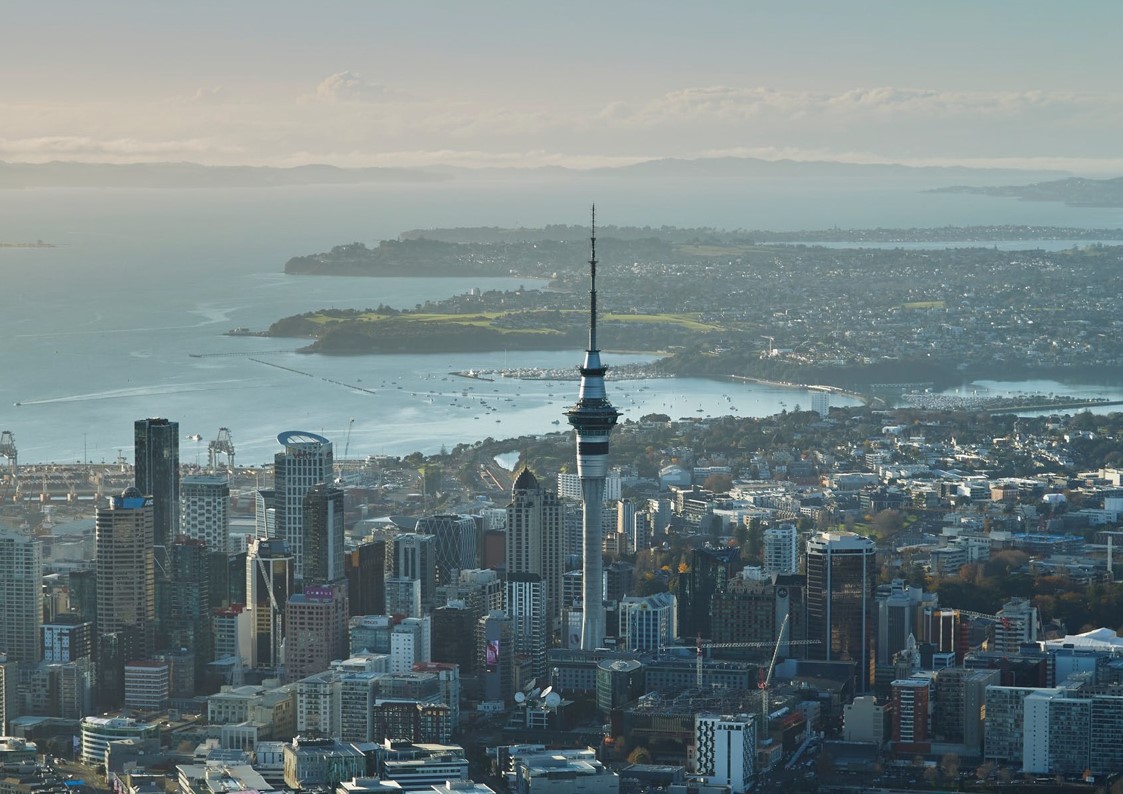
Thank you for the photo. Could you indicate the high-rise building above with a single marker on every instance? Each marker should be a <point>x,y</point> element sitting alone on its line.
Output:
<point>403,596</point>
<point>526,607</point>
<point>496,657</point>
<point>569,486</point>
<point>306,461</point>
<point>411,641</point>
<point>911,713</point>
<point>479,590</point>
<point>454,627</point>
<point>751,609</point>
<point>711,569</point>
<point>534,538</point>
<point>126,578</point>
<point>1018,623</point>
<point>323,535</point>
<point>592,418</point>
<point>458,539</point>
<point>265,513</point>
<point>821,402</point>
<point>415,557</point>
<point>21,610</point>
<point>315,630</point>
<point>187,623</point>
<point>67,638</point>
<point>365,569</point>
<point>157,474</point>
<point>781,550</point>
<point>725,750</point>
<point>269,582</point>
<point>900,608</point>
<point>204,510</point>
<point>841,577</point>
<point>647,622</point>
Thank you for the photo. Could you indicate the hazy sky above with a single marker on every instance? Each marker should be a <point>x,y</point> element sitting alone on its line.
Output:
<point>475,82</point>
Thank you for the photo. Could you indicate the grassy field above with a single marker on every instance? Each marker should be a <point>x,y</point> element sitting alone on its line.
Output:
<point>488,320</point>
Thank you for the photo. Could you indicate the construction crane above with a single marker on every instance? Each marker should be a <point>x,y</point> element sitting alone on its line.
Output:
<point>700,644</point>
<point>766,679</point>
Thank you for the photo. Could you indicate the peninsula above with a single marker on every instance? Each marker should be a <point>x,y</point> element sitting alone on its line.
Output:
<point>872,320</point>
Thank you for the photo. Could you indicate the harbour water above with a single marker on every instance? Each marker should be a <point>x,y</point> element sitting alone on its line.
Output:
<point>98,331</point>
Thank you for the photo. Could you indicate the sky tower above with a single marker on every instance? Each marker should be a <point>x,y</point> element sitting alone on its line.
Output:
<point>593,417</point>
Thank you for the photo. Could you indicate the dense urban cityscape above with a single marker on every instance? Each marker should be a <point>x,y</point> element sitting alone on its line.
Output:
<point>920,596</point>
<point>561,398</point>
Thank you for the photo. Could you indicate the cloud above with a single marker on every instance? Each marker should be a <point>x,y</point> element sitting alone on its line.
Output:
<point>738,104</point>
<point>352,87</point>
<point>111,149</point>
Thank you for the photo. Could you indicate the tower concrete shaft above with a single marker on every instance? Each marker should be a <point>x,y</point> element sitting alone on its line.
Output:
<point>593,418</point>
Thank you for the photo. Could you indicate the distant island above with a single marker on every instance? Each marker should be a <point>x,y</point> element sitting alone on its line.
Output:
<point>36,244</point>
<point>541,253</point>
<point>1075,191</point>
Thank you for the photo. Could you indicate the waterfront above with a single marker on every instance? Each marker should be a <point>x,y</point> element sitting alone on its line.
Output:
<point>98,331</point>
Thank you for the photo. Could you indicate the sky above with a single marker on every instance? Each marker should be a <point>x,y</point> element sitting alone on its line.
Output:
<point>577,84</point>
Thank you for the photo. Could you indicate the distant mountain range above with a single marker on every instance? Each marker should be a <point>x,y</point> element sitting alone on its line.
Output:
<point>1074,191</point>
<point>193,175</point>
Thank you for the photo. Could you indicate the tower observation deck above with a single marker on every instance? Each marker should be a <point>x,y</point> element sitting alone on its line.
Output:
<point>593,418</point>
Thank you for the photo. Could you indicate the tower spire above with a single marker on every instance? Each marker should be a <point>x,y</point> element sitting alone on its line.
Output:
<point>593,283</point>
<point>593,418</point>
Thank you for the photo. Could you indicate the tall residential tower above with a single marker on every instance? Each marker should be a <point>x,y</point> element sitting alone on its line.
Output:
<point>593,418</point>
<point>156,448</point>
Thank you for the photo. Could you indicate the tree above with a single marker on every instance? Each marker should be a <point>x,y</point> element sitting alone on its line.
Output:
<point>949,765</point>
<point>718,483</point>
<point>640,755</point>
<point>887,522</point>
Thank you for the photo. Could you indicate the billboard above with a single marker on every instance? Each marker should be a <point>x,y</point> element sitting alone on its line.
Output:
<point>491,654</point>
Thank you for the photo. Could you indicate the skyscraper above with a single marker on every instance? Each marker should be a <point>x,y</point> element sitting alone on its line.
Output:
<point>323,535</point>
<point>156,461</point>
<point>711,570</point>
<point>593,418</point>
<point>306,461</point>
<point>126,579</point>
<point>21,613</point>
<point>458,539</point>
<point>269,583</point>
<point>126,590</point>
<point>535,538</point>
<point>841,577</point>
<point>526,607</point>
<point>415,557</point>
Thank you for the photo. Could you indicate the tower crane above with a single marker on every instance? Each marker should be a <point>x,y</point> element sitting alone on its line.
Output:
<point>701,644</point>
<point>766,679</point>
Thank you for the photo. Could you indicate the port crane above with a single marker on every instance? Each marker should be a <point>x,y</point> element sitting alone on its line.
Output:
<point>8,450</point>
<point>222,445</point>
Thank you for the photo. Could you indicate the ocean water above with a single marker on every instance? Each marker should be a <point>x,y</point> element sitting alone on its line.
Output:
<point>98,331</point>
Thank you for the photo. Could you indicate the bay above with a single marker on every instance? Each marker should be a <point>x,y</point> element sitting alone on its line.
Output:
<point>99,330</point>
